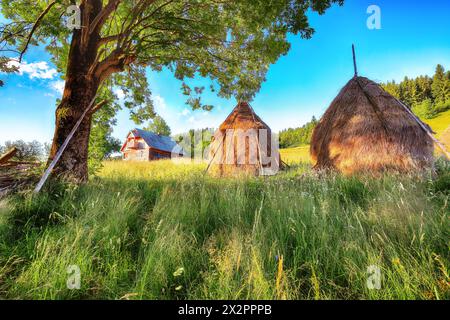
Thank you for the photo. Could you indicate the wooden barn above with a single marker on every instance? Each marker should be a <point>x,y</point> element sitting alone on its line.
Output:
<point>142,145</point>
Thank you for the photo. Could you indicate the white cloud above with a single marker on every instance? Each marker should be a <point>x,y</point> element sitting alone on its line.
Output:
<point>38,70</point>
<point>191,120</point>
<point>159,103</point>
<point>185,112</point>
<point>58,86</point>
<point>119,93</point>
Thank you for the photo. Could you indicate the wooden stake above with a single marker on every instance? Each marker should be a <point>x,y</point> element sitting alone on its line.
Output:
<point>261,168</point>
<point>61,150</point>
<point>214,155</point>
<point>220,145</point>
<point>354,60</point>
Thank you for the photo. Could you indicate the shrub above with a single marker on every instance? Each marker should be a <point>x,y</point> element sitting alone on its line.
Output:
<point>424,110</point>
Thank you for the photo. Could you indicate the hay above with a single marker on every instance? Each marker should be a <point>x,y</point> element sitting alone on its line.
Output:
<point>224,153</point>
<point>365,129</point>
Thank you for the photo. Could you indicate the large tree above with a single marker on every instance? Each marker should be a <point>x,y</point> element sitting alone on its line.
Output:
<point>232,42</point>
<point>159,126</point>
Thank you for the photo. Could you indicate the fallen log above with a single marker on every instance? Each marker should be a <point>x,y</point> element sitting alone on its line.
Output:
<point>19,164</point>
<point>7,156</point>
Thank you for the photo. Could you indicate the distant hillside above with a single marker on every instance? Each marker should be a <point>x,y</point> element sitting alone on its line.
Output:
<point>441,125</point>
<point>445,138</point>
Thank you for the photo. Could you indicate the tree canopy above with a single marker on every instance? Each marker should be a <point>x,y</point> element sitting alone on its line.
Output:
<point>231,42</point>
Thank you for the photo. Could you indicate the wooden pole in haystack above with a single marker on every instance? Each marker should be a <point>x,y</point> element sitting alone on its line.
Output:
<point>354,60</point>
<point>408,110</point>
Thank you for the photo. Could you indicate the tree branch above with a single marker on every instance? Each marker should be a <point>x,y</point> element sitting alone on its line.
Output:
<point>100,19</point>
<point>115,62</point>
<point>36,25</point>
<point>98,106</point>
<point>108,39</point>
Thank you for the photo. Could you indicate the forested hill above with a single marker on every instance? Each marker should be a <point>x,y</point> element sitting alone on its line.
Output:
<point>425,95</point>
<point>294,137</point>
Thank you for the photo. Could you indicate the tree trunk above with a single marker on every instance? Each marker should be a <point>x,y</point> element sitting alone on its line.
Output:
<point>73,163</point>
<point>81,86</point>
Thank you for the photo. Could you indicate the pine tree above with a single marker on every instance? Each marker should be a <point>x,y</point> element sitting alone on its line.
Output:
<point>441,86</point>
<point>424,88</point>
<point>407,91</point>
<point>392,88</point>
<point>413,92</point>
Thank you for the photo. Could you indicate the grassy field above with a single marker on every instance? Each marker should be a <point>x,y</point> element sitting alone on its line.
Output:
<point>295,155</point>
<point>166,231</point>
<point>440,123</point>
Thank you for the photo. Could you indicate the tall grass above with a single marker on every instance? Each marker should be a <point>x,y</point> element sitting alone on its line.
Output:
<point>166,231</point>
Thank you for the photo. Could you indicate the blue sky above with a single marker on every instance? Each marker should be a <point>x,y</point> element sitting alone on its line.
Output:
<point>414,37</point>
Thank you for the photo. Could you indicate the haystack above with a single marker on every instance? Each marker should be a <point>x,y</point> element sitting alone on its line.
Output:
<point>243,145</point>
<point>365,129</point>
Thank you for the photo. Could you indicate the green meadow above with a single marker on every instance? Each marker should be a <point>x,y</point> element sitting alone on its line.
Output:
<point>163,230</point>
<point>82,74</point>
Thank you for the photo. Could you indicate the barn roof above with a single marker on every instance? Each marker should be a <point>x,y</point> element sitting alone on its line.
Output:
<point>156,141</point>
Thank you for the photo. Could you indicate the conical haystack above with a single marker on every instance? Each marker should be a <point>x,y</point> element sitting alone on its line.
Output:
<point>367,130</point>
<point>243,145</point>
